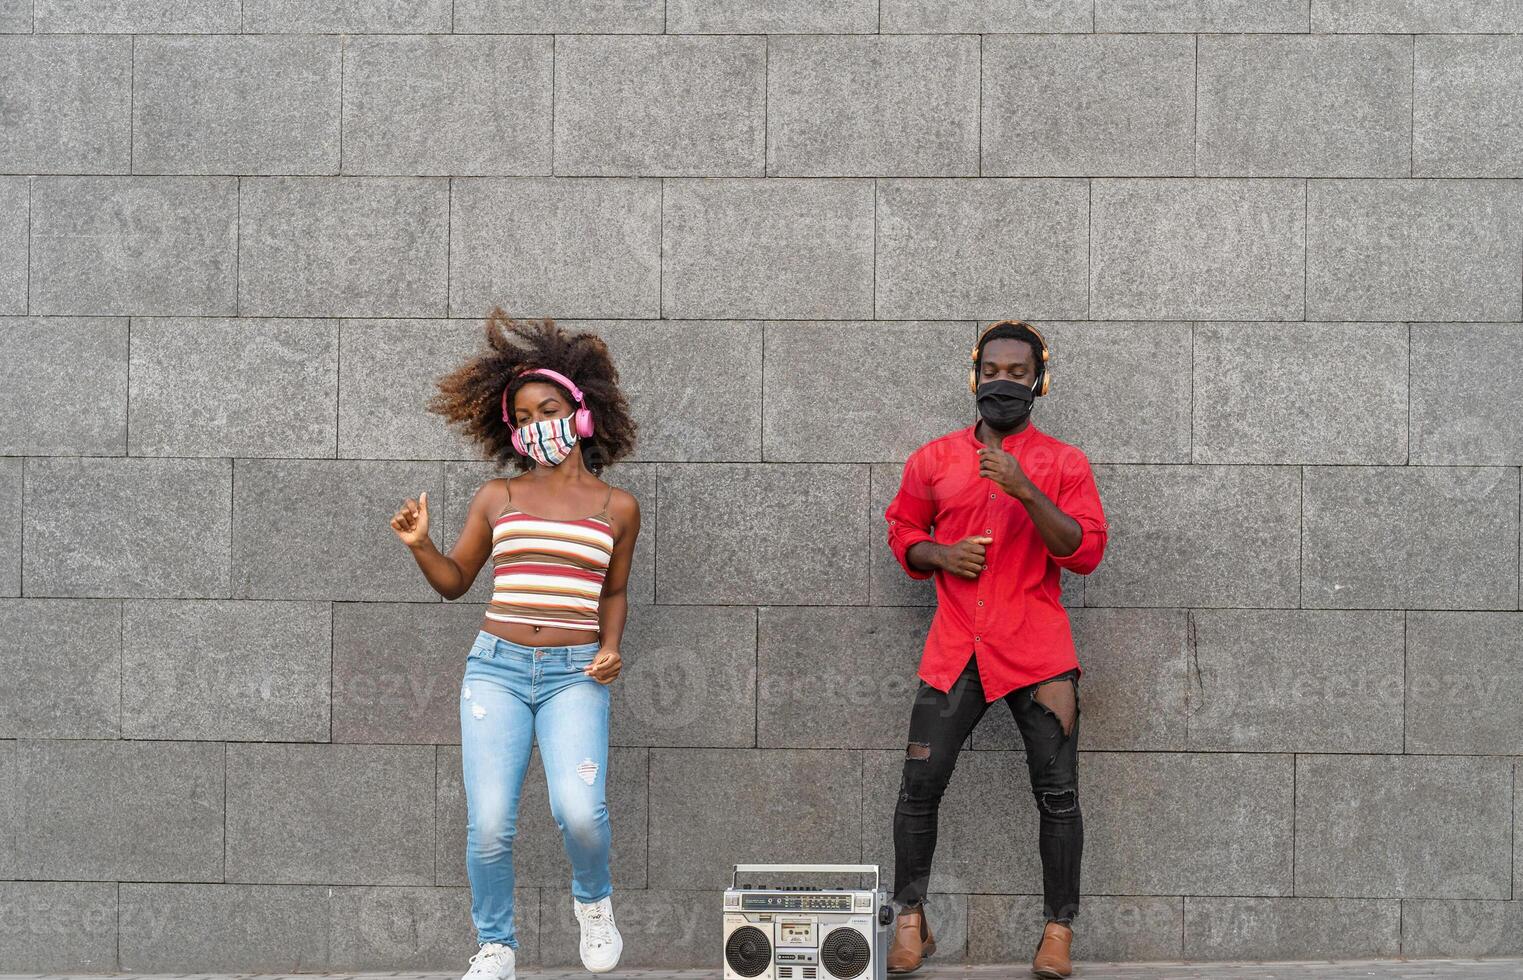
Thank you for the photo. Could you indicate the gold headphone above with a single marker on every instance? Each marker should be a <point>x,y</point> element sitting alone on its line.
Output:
<point>1042,384</point>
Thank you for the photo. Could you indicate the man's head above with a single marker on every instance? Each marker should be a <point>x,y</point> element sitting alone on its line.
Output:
<point>1011,350</point>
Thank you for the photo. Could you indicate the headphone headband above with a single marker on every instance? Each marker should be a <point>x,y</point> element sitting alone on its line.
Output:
<point>1043,354</point>
<point>554,376</point>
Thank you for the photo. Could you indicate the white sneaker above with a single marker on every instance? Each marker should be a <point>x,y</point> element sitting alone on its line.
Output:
<point>601,943</point>
<point>493,961</point>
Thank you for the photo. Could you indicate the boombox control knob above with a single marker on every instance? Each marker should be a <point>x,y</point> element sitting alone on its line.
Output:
<point>885,914</point>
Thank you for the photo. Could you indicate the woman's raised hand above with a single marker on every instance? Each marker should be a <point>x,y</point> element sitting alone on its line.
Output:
<point>411,522</point>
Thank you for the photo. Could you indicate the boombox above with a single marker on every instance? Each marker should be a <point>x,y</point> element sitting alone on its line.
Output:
<point>788,932</point>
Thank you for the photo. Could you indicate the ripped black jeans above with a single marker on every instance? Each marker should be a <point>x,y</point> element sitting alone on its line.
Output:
<point>939,725</point>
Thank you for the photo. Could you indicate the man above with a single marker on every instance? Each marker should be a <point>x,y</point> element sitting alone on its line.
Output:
<point>994,511</point>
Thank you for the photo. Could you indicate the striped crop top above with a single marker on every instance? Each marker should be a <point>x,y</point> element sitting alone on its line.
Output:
<point>547,572</point>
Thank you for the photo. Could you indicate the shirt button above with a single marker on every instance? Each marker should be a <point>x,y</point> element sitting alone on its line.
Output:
<point>988,530</point>
<point>975,639</point>
<point>980,602</point>
<point>991,496</point>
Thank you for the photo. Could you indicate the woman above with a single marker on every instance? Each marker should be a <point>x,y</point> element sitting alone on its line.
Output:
<point>560,541</point>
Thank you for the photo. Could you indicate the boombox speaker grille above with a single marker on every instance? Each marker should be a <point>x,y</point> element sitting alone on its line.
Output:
<point>844,953</point>
<point>749,952</point>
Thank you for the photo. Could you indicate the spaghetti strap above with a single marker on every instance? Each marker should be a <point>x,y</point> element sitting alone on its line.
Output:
<point>508,485</point>
<point>608,500</point>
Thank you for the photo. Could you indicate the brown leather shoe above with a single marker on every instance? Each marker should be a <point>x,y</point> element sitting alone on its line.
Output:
<point>912,942</point>
<point>1052,953</point>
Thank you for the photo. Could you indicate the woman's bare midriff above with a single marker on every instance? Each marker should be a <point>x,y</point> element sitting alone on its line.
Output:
<point>539,636</point>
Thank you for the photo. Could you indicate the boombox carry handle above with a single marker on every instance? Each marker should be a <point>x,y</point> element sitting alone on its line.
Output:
<point>812,868</point>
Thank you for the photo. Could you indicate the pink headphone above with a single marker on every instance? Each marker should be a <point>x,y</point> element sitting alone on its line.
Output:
<point>582,418</point>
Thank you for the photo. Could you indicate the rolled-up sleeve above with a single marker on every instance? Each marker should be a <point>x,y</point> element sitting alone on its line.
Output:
<point>1079,498</point>
<point>909,516</point>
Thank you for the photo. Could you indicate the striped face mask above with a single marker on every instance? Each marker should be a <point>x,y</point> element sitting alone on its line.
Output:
<point>548,441</point>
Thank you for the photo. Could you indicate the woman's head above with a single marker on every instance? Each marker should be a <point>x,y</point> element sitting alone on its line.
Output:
<point>476,396</point>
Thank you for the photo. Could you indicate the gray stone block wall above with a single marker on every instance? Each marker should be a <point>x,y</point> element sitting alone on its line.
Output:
<point>1277,246</point>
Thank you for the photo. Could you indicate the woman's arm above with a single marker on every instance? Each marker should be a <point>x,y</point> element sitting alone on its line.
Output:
<point>451,575</point>
<point>613,608</point>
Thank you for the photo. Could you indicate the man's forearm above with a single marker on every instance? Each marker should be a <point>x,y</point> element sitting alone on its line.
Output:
<point>925,555</point>
<point>1059,532</point>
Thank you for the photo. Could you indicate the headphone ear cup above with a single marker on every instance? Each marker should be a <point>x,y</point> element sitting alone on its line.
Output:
<point>584,422</point>
<point>517,442</point>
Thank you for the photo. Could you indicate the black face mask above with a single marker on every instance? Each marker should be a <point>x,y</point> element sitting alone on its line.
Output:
<point>1004,404</point>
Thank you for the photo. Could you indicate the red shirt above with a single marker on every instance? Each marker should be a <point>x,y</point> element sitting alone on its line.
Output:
<point>1009,615</point>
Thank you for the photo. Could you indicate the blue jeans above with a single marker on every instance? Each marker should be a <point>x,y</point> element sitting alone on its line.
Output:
<point>512,696</point>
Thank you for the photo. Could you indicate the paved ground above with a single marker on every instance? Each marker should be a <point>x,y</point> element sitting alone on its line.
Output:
<point>1300,970</point>
<point>1320,970</point>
